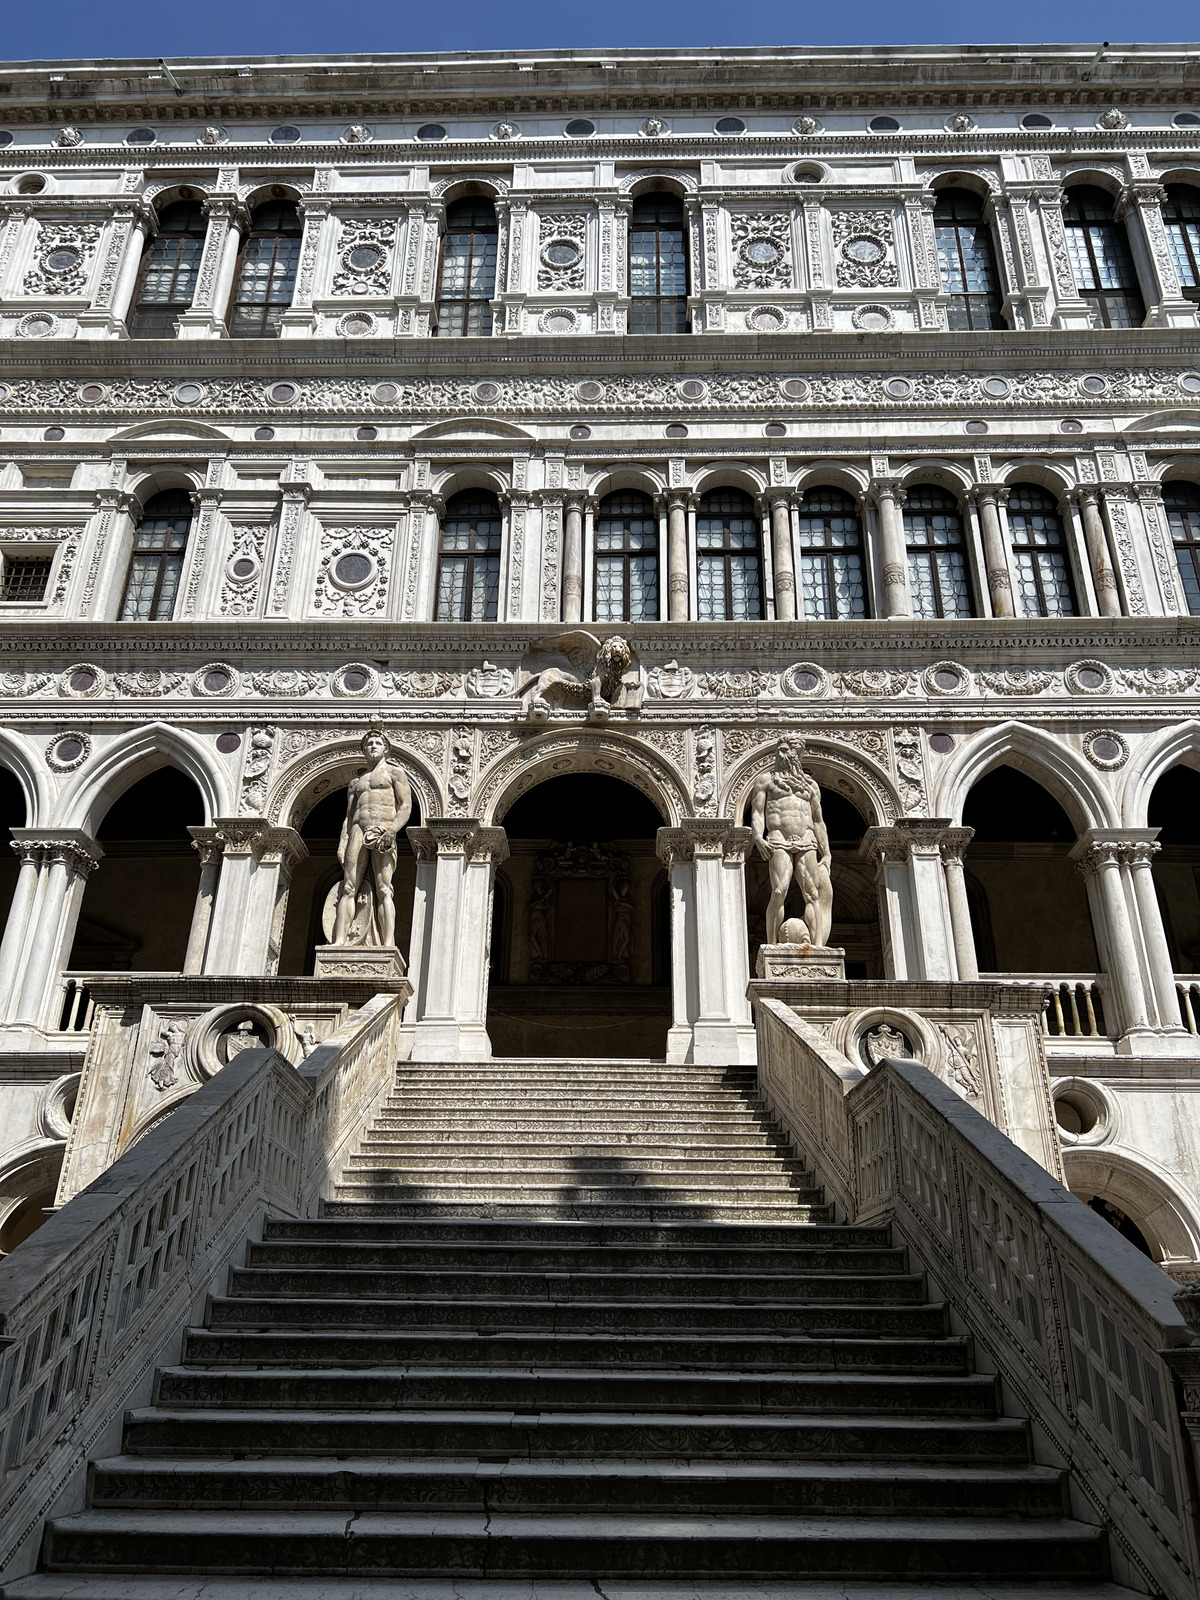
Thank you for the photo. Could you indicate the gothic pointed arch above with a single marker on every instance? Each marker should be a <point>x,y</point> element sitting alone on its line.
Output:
<point>1040,756</point>
<point>136,754</point>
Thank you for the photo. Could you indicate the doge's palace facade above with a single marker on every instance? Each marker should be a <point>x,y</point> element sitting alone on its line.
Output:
<point>606,416</point>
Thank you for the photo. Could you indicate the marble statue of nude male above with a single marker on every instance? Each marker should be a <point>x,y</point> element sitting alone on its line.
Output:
<point>789,833</point>
<point>378,804</point>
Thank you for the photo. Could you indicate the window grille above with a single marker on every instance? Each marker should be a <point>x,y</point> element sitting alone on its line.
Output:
<point>266,274</point>
<point>25,579</point>
<point>966,260</point>
<point>1044,585</point>
<point>729,557</point>
<point>469,558</point>
<point>657,265</point>
<point>156,563</point>
<point>1181,213</point>
<point>170,265</point>
<point>831,566</point>
<point>468,280</point>
<point>626,559</point>
<point>937,554</point>
<point>1099,249</point>
<point>1182,502</point>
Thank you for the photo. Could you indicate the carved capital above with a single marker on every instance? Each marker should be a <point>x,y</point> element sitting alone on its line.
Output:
<point>207,844</point>
<point>1104,847</point>
<point>80,853</point>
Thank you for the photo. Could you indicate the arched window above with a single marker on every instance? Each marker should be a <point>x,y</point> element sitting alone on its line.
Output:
<point>966,260</point>
<point>469,558</point>
<point>156,563</point>
<point>1104,271</point>
<point>831,569</point>
<point>937,554</point>
<point>1181,213</point>
<point>266,272</point>
<point>1182,501</point>
<point>468,268</point>
<point>1040,553</point>
<point>167,277</point>
<point>626,559</point>
<point>729,561</point>
<point>657,265</point>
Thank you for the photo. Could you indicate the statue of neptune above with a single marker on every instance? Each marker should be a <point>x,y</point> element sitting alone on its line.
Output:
<point>378,804</point>
<point>789,832</point>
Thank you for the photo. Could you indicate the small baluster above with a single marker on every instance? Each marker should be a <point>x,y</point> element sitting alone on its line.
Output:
<point>1073,1000</point>
<point>1060,1025</point>
<point>1093,1027</point>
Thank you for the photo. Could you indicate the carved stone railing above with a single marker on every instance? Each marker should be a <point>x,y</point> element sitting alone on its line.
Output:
<point>1080,1325</point>
<point>1074,1006</point>
<point>102,1293</point>
<point>1187,987</point>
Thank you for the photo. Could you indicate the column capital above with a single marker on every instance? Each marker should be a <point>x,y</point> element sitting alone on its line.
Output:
<point>207,844</point>
<point>256,837</point>
<point>458,836</point>
<point>884,489</point>
<point>1101,847</point>
<point>699,838</point>
<point>78,849</point>
<point>989,494</point>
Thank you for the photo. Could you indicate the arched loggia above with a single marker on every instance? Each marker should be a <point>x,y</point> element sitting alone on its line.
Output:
<point>1174,810</point>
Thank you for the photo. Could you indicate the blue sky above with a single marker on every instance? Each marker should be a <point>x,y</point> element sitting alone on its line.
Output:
<point>279,27</point>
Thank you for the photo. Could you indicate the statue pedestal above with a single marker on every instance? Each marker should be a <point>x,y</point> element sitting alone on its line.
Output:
<point>790,962</point>
<point>358,961</point>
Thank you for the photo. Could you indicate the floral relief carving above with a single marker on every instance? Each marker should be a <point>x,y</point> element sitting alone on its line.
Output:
<point>736,685</point>
<point>561,249</point>
<point>287,682</point>
<point>365,257</point>
<point>149,683</point>
<point>424,685</point>
<point>864,242</point>
<point>1019,680</point>
<point>243,571</point>
<point>63,258</point>
<point>910,771</point>
<point>877,683</point>
<point>762,249</point>
<point>259,751</point>
<point>352,578</point>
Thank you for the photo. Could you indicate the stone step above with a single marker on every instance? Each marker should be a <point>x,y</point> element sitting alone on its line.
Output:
<point>488,1074</point>
<point>621,1173</point>
<point>373,1154</point>
<point>180,1388</point>
<point>569,1258</point>
<point>227,1347</point>
<point>359,1224</point>
<point>643,1289</point>
<point>590,1101</point>
<point>364,1185</point>
<point>863,1320</point>
<point>510,1435</point>
<point>564,1123</point>
<point>377,1202</point>
<point>760,1141</point>
<point>793,1488</point>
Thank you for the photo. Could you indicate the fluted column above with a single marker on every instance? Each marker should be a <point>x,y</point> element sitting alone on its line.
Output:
<point>1096,541</point>
<point>1140,207</point>
<point>48,909</point>
<point>781,557</point>
<point>889,498</point>
<point>706,859</point>
<point>677,555</point>
<point>572,582</point>
<point>257,859</point>
<point>452,922</point>
<point>227,220</point>
<point>995,551</point>
<point>20,916</point>
<point>207,844</point>
<point>954,842</point>
<point>1099,854</point>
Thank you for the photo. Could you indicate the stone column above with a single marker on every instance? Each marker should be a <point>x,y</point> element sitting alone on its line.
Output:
<point>781,557</point>
<point>572,582</point>
<point>1071,310</point>
<point>48,908</point>
<point>710,987</point>
<point>995,549</point>
<point>256,862</point>
<point>452,924</point>
<point>678,583</point>
<point>1101,855</point>
<point>915,909</point>
<point>207,844</point>
<point>20,916</point>
<point>1140,853</point>
<point>128,228</point>
<point>141,228</point>
<point>299,320</point>
<point>889,497</point>
<point>954,843</point>
<point>1140,208</point>
<point>205,318</point>
<point>1096,540</point>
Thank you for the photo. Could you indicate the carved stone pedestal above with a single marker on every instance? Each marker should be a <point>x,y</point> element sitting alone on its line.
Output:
<point>800,961</point>
<point>358,961</point>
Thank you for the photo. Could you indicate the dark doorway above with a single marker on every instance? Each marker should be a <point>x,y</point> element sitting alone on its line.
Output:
<point>581,930</point>
<point>1175,810</point>
<point>12,815</point>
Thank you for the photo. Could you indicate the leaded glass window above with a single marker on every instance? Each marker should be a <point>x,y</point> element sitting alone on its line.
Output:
<point>1182,502</point>
<point>170,265</point>
<point>937,554</point>
<point>1181,213</point>
<point>266,274</point>
<point>831,566</point>
<point>469,558</point>
<point>657,265</point>
<point>1039,545</point>
<point>729,557</point>
<point>626,559</point>
<point>1104,271</point>
<point>156,562</point>
<point>966,260</point>
<point>468,280</point>
<point>24,579</point>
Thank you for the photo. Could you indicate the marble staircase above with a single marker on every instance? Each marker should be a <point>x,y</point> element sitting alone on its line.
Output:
<point>569,1329</point>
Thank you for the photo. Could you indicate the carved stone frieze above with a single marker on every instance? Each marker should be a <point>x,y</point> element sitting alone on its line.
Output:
<point>354,570</point>
<point>864,244</point>
<point>762,249</point>
<point>561,249</point>
<point>62,258</point>
<point>365,257</point>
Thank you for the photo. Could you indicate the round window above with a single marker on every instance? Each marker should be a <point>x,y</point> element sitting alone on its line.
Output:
<point>33,184</point>
<point>590,390</point>
<point>431,132</point>
<point>561,253</point>
<point>559,322</point>
<point>352,570</point>
<point>869,252</point>
<point>141,136</point>
<point>1106,749</point>
<point>996,388</point>
<point>805,682</point>
<point>365,256</point>
<point>356,327</point>
<point>243,567</point>
<point>976,426</point>
<point>795,388</point>
<point>581,431</point>
<point>91,393</point>
<point>1035,119</point>
<point>487,391</point>
<point>730,125</point>
<point>943,743</point>
<point>676,430</point>
<point>216,681</point>
<point>355,680</point>
<point>64,259</point>
<point>55,434</point>
<point>1093,678</point>
<point>947,679</point>
<point>1094,385</point>
<point>264,434</point>
<point>282,393</point>
<point>227,743</point>
<point>385,393</point>
<point>883,125</point>
<point>1183,119</point>
<point>579,128</point>
<point>6,138</point>
<point>693,389</point>
<point>775,430</point>
<point>83,682</point>
<point>68,750</point>
<point>367,433</point>
<point>762,252</point>
<point>1070,425</point>
<point>285,135</point>
<point>188,393</point>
